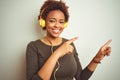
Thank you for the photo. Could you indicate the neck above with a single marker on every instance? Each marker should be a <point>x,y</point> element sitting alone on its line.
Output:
<point>52,41</point>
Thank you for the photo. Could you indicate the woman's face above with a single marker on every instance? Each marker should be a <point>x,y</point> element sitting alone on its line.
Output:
<point>55,23</point>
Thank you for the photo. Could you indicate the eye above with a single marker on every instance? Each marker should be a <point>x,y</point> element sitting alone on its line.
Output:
<point>52,21</point>
<point>61,22</point>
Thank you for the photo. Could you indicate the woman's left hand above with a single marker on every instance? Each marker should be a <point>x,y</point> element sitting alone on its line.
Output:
<point>105,50</point>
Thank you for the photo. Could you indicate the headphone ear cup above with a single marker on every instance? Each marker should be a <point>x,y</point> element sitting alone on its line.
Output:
<point>65,24</point>
<point>42,23</point>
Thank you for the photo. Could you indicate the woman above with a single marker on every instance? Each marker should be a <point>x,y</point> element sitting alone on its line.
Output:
<point>53,57</point>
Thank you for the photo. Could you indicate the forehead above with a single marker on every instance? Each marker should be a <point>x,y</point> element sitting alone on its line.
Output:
<point>56,14</point>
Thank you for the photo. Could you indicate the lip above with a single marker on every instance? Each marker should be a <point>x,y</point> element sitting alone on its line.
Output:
<point>56,31</point>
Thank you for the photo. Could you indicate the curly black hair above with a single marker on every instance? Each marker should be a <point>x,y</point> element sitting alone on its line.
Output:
<point>50,5</point>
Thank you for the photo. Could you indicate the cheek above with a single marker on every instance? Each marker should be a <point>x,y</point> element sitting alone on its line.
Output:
<point>51,25</point>
<point>63,28</point>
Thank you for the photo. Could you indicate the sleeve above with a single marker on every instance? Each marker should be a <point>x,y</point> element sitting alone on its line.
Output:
<point>81,74</point>
<point>32,62</point>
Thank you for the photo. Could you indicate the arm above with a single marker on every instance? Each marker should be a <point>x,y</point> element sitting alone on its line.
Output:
<point>33,72</point>
<point>47,69</point>
<point>32,62</point>
<point>86,73</point>
<point>104,51</point>
<point>81,74</point>
<point>44,73</point>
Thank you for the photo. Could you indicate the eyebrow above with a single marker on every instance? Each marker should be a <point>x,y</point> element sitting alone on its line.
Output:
<point>55,18</point>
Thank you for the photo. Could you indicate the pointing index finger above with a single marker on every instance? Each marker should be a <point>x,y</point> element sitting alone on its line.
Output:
<point>108,42</point>
<point>71,40</point>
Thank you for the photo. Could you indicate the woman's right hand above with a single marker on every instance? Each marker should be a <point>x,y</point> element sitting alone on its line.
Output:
<point>65,48</point>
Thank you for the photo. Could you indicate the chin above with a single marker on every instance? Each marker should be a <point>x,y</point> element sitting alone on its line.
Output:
<point>55,36</point>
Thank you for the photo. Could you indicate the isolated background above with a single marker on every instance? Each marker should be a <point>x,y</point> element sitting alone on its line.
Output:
<point>93,21</point>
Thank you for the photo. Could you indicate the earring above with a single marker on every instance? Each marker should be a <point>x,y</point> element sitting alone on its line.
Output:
<point>65,24</point>
<point>42,23</point>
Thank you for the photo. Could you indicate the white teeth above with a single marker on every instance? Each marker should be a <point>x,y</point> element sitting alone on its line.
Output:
<point>56,31</point>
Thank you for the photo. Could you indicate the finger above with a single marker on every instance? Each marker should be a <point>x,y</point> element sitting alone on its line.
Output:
<point>71,40</point>
<point>108,48</point>
<point>107,43</point>
<point>108,53</point>
<point>71,48</point>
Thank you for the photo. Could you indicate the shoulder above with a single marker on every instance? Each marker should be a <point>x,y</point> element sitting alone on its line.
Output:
<point>33,43</point>
<point>64,39</point>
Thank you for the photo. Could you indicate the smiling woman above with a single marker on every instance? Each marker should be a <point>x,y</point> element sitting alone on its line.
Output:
<point>48,58</point>
<point>93,21</point>
<point>55,23</point>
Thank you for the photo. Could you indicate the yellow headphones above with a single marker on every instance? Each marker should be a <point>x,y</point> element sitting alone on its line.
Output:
<point>42,23</point>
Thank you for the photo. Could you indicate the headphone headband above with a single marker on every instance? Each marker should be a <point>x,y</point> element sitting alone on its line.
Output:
<point>42,21</point>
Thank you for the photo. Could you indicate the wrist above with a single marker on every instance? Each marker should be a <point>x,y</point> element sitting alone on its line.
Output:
<point>56,55</point>
<point>96,60</point>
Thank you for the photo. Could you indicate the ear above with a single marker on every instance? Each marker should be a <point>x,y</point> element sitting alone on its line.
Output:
<point>42,22</point>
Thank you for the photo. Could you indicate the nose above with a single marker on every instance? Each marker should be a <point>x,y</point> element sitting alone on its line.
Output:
<point>57,24</point>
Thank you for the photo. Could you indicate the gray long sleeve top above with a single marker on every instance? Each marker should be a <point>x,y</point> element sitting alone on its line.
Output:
<point>38,52</point>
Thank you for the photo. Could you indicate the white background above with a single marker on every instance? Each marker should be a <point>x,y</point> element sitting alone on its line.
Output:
<point>93,21</point>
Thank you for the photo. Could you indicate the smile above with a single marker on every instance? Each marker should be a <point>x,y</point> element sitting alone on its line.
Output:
<point>56,31</point>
